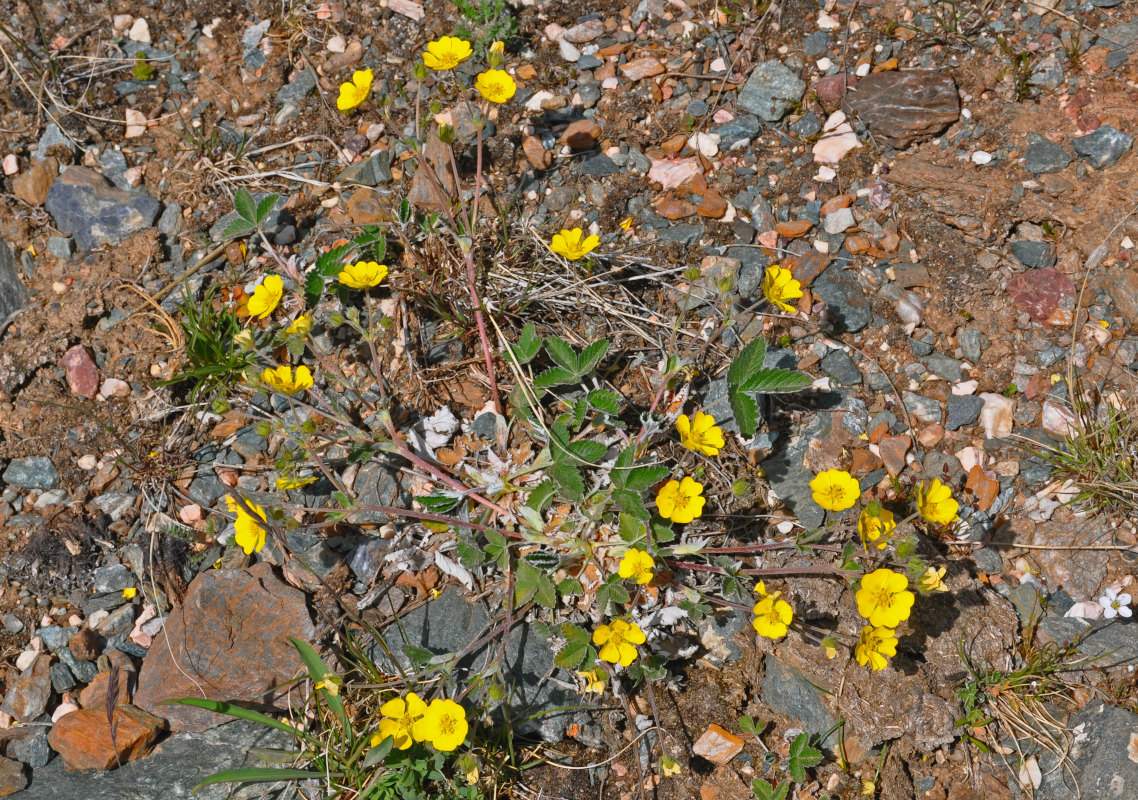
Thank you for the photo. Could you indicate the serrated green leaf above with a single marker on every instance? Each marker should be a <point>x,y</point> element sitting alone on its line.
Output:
<point>621,467</point>
<point>570,587</point>
<point>528,344</point>
<point>419,656</point>
<point>778,381</point>
<point>530,583</point>
<point>747,363</point>
<point>608,402</point>
<point>470,555</point>
<point>610,595</point>
<point>580,408</point>
<point>568,477</point>
<point>439,503</point>
<point>764,791</point>
<point>571,655</point>
<point>641,478</point>
<point>588,451</point>
<point>245,206</point>
<point>591,356</point>
<point>554,376</point>
<point>237,227</point>
<point>562,354</point>
<point>746,411</point>
<point>543,559</point>
<point>631,503</point>
<point>802,756</point>
<point>632,529</point>
<point>265,206</point>
<point>574,633</point>
<point>540,497</point>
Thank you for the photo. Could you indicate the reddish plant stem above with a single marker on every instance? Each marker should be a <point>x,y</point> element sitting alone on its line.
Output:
<point>422,515</point>
<point>767,573</point>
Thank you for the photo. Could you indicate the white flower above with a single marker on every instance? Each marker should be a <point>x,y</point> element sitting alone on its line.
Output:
<point>1114,604</point>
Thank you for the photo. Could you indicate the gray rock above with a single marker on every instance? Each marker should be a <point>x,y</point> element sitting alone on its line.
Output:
<point>1042,156</point>
<point>597,164</point>
<point>839,221</point>
<point>1034,255</point>
<point>1110,643</point>
<point>28,694</point>
<point>1051,356</point>
<point>376,485</point>
<point>84,205</point>
<point>816,44</point>
<point>973,343</point>
<point>449,624</point>
<point>944,367</point>
<point>114,504</point>
<point>989,560</point>
<point>1103,147</point>
<point>171,220</point>
<point>13,295</point>
<point>298,89</point>
<point>205,489</point>
<point>1048,73</point>
<point>31,749</point>
<point>788,691</point>
<point>717,635</point>
<point>171,772</point>
<point>770,91</point>
<point>62,247</point>
<point>682,234</point>
<point>121,620</point>
<point>61,678</point>
<point>844,297</point>
<point>922,348</point>
<point>114,167</point>
<point>962,411</point>
<point>32,472</point>
<point>367,558</point>
<point>12,623</point>
<point>788,476</point>
<point>807,125</point>
<point>925,409</point>
<point>112,578</point>
<point>84,671</point>
<point>752,269</point>
<point>839,366</point>
<point>1102,759</point>
<point>369,172</point>
<point>590,93</point>
<point>52,136</point>
<point>1028,603</point>
<point>741,129</point>
<point>55,636</point>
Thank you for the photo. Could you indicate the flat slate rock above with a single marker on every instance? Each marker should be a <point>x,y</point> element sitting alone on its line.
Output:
<point>13,295</point>
<point>1102,757</point>
<point>904,107</point>
<point>85,205</point>
<point>771,90</point>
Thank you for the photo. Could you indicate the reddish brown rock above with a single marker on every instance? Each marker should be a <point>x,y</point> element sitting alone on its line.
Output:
<point>713,206</point>
<point>85,644</point>
<point>807,267</point>
<point>82,374</point>
<point>536,154</point>
<point>27,697</point>
<point>835,203</point>
<point>94,694</point>
<point>984,487</point>
<point>83,738</point>
<point>904,107</point>
<point>229,639</point>
<point>893,450</point>
<point>1039,291</point>
<point>717,745</point>
<point>581,134</point>
<point>794,230</point>
<point>833,88</point>
<point>12,777</point>
<point>433,194</point>
<point>857,244</point>
<point>671,208</point>
<point>32,185</point>
<point>641,68</point>
<point>1123,290</point>
<point>863,461</point>
<point>367,207</point>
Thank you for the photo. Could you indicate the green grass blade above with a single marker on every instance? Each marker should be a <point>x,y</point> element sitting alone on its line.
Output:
<point>219,707</point>
<point>258,775</point>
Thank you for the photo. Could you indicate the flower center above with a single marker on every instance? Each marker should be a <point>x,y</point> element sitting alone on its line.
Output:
<point>446,724</point>
<point>682,501</point>
<point>617,638</point>
<point>884,598</point>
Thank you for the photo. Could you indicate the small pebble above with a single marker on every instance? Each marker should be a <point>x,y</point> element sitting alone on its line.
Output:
<point>981,157</point>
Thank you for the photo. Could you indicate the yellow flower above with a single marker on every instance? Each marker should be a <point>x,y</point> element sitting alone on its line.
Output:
<point>932,580</point>
<point>496,54</point>
<point>330,684</point>
<point>301,326</point>
<point>400,718</point>
<point>294,482</point>
<point>883,598</point>
<point>935,503</point>
<point>250,534</point>
<point>443,725</point>
<point>835,490</point>
<point>569,244</point>
<point>446,52</point>
<point>670,766</point>
<point>779,286</point>
<point>244,339</point>
<point>129,593</point>
<point>355,92</point>
<point>495,85</point>
<point>618,641</point>
<point>266,297</point>
<point>874,645</point>
<point>362,274</point>
<point>868,788</point>
<point>700,434</point>
<point>874,527</point>
<point>772,615</point>
<point>680,501</point>
<point>636,565</point>
<point>282,379</point>
<point>594,681</point>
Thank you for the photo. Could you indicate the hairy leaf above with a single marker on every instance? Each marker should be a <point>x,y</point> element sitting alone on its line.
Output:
<point>554,376</point>
<point>778,381</point>
<point>562,354</point>
<point>591,356</point>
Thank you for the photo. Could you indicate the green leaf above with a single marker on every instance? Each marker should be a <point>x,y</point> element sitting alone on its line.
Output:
<point>378,753</point>
<point>571,655</point>
<point>405,212</point>
<point>641,478</point>
<point>801,757</point>
<point>419,656</point>
<point>238,712</point>
<point>574,633</point>
<point>530,583</point>
<point>570,587</point>
<point>588,451</point>
<point>591,356</point>
<point>318,671</point>
<point>469,554</point>
<point>747,725</point>
<point>621,467</point>
<point>237,227</point>
<point>611,594</point>
<point>608,402</point>
<point>554,376</point>
<point>439,503</point>
<point>528,344</point>
<point>543,559</point>
<point>265,206</point>
<point>746,411</point>
<point>662,532</point>
<point>747,363</point>
<point>631,528</point>
<point>764,791</point>
<point>245,206</point>
<point>331,262</point>
<point>539,498</point>
<point>580,408</point>
<point>630,502</point>
<point>778,381</point>
<point>568,477</point>
<point>562,354</point>
<point>258,775</point>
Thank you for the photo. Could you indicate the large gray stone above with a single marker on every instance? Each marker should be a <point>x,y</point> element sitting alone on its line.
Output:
<point>1102,758</point>
<point>845,299</point>
<point>904,107</point>
<point>1111,643</point>
<point>84,205</point>
<point>771,90</point>
<point>32,472</point>
<point>13,295</point>
<point>449,624</point>
<point>788,691</point>
<point>1104,147</point>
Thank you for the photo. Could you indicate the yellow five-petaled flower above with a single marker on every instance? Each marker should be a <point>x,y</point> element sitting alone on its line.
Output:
<point>835,490</point>
<point>250,535</point>
<point>874,644</point>
<point>355,91</point>
<point>569,244</point>
<point>495,85</point>
<point>362,274</point>
<point>443,724</point>
<point>637,566</point>
<point>935,502</point>
<point>400,716</point>
<point>284,379</point>
<point>932,580</point>
<point>300,327</point>
<point>618,641</point>
<point>266,297</point>
<point>594,681</point>
<point>681,501</point>
<point>772,615</point>
<point>884,599</point>
<point>877,528</point>
<point>700,434</point>
<point>779,286</point>
<point>447,52</point>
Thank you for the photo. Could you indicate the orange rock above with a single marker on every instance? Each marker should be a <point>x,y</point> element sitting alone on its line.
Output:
<point>645,67</point>
<point>889,242</point>
<point>932,435</point>
<point>1061,318</point>
<point>718,745</point>
<point>83,738</point>
<point>835,203</point>
<point>366,207</point>
<point>893,450</point>
<point>863,461</point>
<point>94,694</point>
<point>536,154</point>
<point>581,134</point>
<point>885,66</point>
<point>794,230</point>
<point>857,245</point>
<point>713,206</point>
<point>671,208</point>
<point>984,488</point>
<point>526,72</point>
<point>674,144</point>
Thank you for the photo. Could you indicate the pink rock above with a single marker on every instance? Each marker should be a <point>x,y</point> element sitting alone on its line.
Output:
<point>671,173</point>
<point>553,31</point>
<point>11,164</point>
<point>831,89</point>
<point>1039,291</point>
<point>82,374</point>
<point>717,745</point>
<point>722,115</point>
<point>585,32</point>
<point>641,68</point>
<point>838,138</point>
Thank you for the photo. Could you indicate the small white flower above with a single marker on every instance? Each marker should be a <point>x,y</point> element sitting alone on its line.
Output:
<point>1114,604</point>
